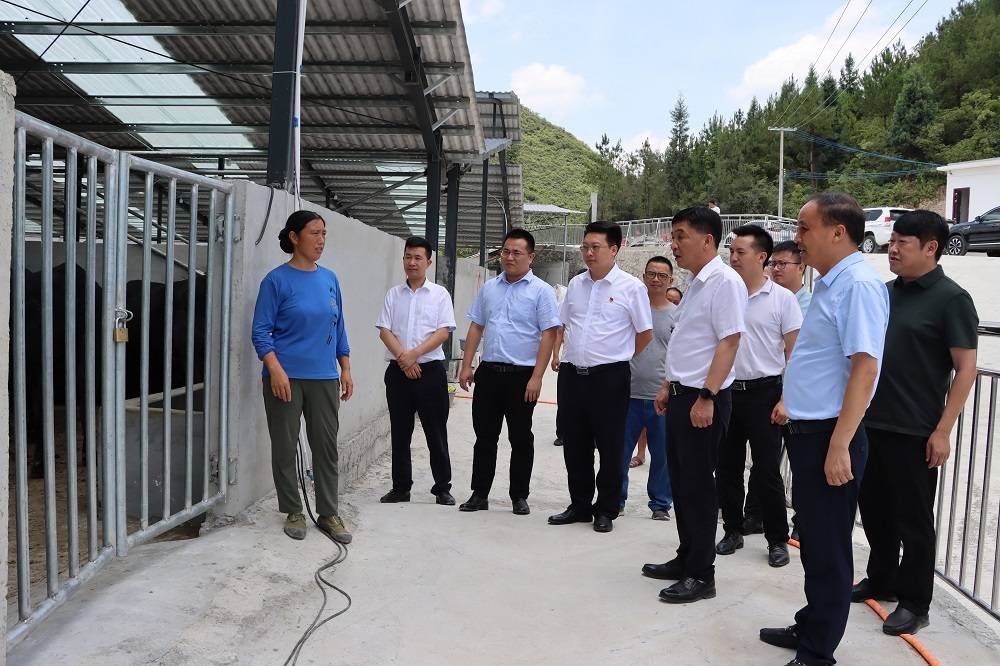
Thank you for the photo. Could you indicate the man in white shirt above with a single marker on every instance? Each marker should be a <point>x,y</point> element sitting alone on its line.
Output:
<point>707,329</point>
<point>773,319</point>
<point>606,321</point>
<point>416,319</point>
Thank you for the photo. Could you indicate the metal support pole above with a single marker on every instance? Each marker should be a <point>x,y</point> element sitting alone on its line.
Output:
<point>448,262</point>
<point>781,164</point>
<point>482,213</point>
<point>506,189</point>
<point>286,39</point>
<point>433,207</point>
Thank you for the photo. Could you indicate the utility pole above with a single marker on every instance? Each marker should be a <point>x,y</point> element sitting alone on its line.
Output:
<point>781,165</point>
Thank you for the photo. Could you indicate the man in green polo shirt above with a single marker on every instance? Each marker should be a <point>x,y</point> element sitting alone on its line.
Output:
<point>932,331</point>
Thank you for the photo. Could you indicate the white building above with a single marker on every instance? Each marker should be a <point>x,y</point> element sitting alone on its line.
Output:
<point>973,188</point>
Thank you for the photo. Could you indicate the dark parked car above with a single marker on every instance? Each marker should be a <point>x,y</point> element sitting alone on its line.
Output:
<point>979,235</point>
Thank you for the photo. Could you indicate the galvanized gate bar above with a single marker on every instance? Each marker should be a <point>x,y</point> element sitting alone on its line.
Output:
<point>90,362</point>
<point>168,323</point>
<point>20,408</point>
<point>192,277</point>
<point>209,317</point>
<point>109,420</point>
<point>121,316</point>
<point>48,397</point>
<point>984,496</point>
<point>144,355</point>
<point>70,238</point>
<point>227,269</point>
<point>973,439</point>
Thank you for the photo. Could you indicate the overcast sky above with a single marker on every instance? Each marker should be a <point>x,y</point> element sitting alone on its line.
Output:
<point>618,66</point>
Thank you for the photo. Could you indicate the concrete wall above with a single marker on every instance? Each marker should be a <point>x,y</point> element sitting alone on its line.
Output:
<point>984,190</point>
<point>367,262</point>
<point>6,211</point>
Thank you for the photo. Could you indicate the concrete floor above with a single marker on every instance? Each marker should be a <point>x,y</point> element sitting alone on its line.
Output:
<point>432,584</point>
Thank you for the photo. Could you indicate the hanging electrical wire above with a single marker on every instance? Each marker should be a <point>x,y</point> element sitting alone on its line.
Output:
<point>855,175</point>
<point>864,61</point>
<point>830,143</point>
<point>813,65</point>
<point>41,56</point>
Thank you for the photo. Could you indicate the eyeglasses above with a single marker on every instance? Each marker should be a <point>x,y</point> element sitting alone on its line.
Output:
<point>517,254</point>
<point>780,265</point>
<point>596,247</point>
<point>652,275</point>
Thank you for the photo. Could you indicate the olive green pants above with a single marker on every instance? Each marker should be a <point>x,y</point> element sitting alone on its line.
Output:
<point>319,401</point>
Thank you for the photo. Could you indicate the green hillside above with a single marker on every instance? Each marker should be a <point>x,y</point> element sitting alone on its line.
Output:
<point>554,162</point>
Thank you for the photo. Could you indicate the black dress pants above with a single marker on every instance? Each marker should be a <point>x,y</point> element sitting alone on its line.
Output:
<point>751,420</point>
<point>827,521</point>
<point>427,397</point>
<point>897,508</point>
<point>692,458</point>
<point>592,410</point>
<point>499,396</point>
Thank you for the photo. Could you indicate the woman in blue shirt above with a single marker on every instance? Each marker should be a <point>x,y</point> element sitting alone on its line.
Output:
<point>299,334</point>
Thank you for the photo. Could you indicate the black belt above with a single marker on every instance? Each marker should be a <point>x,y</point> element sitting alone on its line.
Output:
<point>503,368</point>
<point>810,427</point>
<point>753,384</point>
<point>680,389</point>
<point>594,369</point>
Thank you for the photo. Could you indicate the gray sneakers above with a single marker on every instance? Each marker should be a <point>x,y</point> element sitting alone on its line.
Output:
<point>295,526</point>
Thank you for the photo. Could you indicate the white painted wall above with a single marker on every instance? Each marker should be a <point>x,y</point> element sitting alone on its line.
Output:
<point>6,214</point>
<point>984,189</point>
<point>367,262</point>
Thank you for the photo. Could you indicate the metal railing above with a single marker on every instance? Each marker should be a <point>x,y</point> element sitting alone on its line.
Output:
<point>69,342</point>
<point>656,230</point>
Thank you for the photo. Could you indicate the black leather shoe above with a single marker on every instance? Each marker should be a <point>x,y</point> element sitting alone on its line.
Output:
<point>688,590</point>
<point>795,534</point>
<point>729,543</point>
<point>603,523</point>
<point>783,637</point>
<point>557,441</point>
<point>445,499</point>
<point>475,503</point>
<point>671,570</point>
<point>796,662</point>
<point>394,496</point>
<point>864,590</point>
<point>903,621</point>
<point>777,555</point>
<point>521,507</point>
<point>752,525</point>
<point>570,515</point>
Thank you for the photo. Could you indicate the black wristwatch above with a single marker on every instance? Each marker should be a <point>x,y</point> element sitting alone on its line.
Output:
<point>706,394</point>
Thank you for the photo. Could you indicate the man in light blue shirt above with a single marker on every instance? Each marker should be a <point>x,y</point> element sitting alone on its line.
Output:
<point>828,385</point>
<point>518,314</point>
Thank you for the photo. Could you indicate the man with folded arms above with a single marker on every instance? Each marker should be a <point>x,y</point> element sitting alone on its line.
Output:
<point>932,331</point>
<point>707,329</point>
<point>773,320</point>
<point>829,383</point>
<point>517,312</point>
<point>606,321</point>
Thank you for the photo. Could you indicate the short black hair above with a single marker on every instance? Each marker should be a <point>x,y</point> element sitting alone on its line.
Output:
<point>925,225</point>
<point>659,259</point>
<point>523,234</point>
<point>787,246</point>
<point>703,220</point>
<point>612,232</point>
<point>762,241</point>
<point>712,201</point>
<point>418,241</point>
<point>841,208</point>
<point>677,290</point>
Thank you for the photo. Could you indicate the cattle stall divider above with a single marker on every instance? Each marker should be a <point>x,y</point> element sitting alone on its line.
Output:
<point>148,465</point>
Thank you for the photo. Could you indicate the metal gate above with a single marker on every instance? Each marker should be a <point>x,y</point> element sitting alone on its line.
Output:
<point>142,362</point>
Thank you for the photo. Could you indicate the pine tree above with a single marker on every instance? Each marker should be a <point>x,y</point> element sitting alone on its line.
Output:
<point>915,109</point>
<point>850,80</point>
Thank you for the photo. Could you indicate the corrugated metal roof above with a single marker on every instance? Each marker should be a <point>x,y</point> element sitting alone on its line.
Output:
<point>240,97</point>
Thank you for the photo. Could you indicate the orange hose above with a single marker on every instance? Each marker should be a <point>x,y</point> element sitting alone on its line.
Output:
<point>920,648</point>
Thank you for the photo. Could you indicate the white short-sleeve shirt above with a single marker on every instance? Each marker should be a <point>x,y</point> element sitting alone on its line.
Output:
<point>414,315</point>
<point>712,309</point>
<point>601,318</point>
<point>772,312</point>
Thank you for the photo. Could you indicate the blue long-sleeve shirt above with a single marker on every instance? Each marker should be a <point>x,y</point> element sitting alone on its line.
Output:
<point>299,316</point>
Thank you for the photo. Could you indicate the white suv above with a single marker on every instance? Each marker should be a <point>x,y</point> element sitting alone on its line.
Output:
<point>878,227</point>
